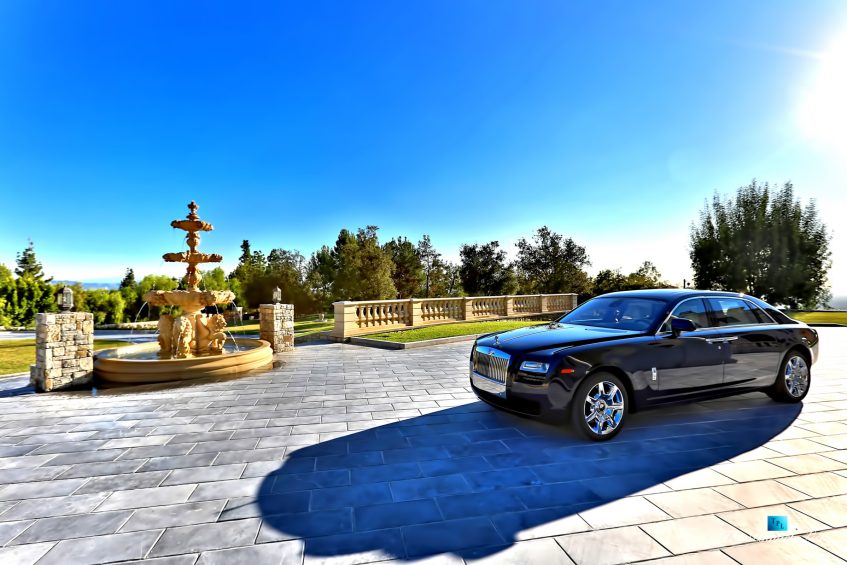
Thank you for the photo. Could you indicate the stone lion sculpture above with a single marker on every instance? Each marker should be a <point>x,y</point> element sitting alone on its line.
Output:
<point>166,328</point>
<point>183,330</point>
<point>217,337</point>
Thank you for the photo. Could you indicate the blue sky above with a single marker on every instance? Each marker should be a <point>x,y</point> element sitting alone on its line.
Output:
<point>610,122</point>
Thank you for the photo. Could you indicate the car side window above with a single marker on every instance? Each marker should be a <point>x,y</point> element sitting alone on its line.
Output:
<point>694,310</point>
<point>732,312</point>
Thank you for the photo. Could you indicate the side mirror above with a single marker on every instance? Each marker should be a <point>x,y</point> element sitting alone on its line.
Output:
<point>679,325</point>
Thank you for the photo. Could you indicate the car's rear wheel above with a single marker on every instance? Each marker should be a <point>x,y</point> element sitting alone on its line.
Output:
<point>794,378</point>
<point>600,406</point>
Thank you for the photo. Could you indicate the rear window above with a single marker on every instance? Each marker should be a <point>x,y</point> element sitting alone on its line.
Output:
<point>735,312</point>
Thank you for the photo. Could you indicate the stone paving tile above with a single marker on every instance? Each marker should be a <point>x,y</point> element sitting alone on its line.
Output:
<point>132,481</point>
<point>74,526</point>
<point>789,550</point>
<point>713,557</point>
<point>264,554</point>
<point>699,479</point>
<point>181,476</point>
<point>607,547</point>
<point>816,485</point>
<point>693,502</point>
<point>186,514</point>
<point>623,512</point>
<point>307,525</point>
<point>101,549</point>
<point>145,497</point>
<point>834,541</point>
<point>831,511</point>
<point>809,463</point>
<point>545,551</point>
<point>25,554</point>
<point>751,471</point>
<point>203,537</point>
<point>684,535</point>
<point>760,493</point>
<point>40,489</point>
<point>753,522</point>
<point>11,530</point>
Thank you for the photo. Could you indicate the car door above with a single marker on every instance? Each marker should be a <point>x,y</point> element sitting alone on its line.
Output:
<point>750,340</point>
<point>692,362</point>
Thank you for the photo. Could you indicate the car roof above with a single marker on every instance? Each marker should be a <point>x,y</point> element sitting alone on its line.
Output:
<point>670,294</point>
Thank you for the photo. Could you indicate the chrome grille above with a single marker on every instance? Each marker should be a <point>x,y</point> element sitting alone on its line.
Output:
<point>491,363</point>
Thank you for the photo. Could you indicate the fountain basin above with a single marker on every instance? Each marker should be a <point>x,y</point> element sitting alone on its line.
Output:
<point>135,364</point>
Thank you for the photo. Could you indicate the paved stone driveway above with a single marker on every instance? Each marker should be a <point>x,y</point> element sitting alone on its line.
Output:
<point>354,455</point>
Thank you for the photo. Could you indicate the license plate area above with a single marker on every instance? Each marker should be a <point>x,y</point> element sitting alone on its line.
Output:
<point>488,385</point>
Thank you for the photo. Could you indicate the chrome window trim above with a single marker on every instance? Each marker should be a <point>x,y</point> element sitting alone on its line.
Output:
<point>703,298</point>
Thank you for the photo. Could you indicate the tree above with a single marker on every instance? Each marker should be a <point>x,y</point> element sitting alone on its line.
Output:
<point>129,292</point>
<point>214,279</point>
<point>408,274</point>
<point>646,276</point>
<point>362,269</point>
<point>129,280</point>
<point>762,242</point>
<point>431,263</point>
<point>484,271</point>
<point>320,276</point>
<point>28,265</point>
<point>608,280</point>
<point>552,264</point>
<point>376,267</point>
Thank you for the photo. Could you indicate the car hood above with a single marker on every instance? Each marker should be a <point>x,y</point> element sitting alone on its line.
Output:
<point>535,338</point>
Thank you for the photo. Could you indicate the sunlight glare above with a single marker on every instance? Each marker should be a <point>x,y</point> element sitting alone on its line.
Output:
<point>823,114</point>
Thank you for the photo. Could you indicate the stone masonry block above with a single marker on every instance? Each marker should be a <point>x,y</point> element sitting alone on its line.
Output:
<point>64,356</point>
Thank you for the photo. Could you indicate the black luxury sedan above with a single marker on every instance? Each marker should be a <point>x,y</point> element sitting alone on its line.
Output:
<point>625,351</point>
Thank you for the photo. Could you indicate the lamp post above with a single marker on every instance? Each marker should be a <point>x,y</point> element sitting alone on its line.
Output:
<point>66,299</point>
<point>277,296</point>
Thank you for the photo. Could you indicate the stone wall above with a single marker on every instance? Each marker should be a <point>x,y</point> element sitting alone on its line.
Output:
<point>276,326</point>
<point>64,351</point>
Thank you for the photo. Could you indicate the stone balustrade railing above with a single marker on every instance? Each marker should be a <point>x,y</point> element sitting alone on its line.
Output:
<point>356,318</point>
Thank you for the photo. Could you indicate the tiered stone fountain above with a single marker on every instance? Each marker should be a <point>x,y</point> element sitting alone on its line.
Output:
<point>191,344</point>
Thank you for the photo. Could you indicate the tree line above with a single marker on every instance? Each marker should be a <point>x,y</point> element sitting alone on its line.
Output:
<point>762,241</point>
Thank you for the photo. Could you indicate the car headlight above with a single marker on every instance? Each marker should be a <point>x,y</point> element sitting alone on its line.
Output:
<point>534,367</point>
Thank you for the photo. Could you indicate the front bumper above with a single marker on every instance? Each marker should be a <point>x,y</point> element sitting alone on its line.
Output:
<point>525,399</point>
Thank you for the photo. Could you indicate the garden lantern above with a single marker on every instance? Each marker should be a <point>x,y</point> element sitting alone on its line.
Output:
<point>277,295</point>
<point>66,299</point>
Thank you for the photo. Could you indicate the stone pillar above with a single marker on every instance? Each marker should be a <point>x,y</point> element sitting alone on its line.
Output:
<point>544,306</point>
<point>467,308</point>
<point>415,314</point>
<point>276,326</point>
<point>508,305</point>
<point>64,351</point>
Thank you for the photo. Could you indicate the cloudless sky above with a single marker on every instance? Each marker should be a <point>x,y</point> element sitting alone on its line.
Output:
<point>610,122</point>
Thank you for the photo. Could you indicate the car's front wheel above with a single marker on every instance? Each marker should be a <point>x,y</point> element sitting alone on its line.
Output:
<point>792,382</point>
<point>600,406</point>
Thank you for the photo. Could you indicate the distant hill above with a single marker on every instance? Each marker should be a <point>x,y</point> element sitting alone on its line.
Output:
<point>839,302</point>
<point>91,285</point>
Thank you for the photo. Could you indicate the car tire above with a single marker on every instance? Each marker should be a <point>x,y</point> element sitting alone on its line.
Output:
<point>593,411</point>
<point>794,378</point>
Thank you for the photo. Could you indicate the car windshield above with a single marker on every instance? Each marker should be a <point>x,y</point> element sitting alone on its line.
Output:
<point>617,312</point>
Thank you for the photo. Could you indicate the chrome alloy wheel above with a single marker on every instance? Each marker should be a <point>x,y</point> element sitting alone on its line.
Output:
<point>796,376</point>
<point>604,407</point>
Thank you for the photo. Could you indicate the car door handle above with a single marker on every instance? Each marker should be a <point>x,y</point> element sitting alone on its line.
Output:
<point>720,339</point>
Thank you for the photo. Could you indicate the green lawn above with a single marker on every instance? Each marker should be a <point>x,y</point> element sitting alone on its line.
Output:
<point>451,330</point>
<point>301,327</point>
<point>820,317</point>
<point>16,355</point>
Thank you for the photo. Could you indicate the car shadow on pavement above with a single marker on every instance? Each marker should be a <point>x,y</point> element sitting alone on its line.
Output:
<point>469,480</point>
